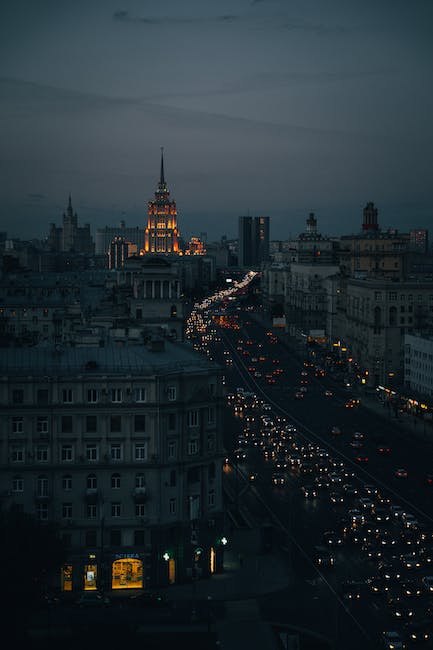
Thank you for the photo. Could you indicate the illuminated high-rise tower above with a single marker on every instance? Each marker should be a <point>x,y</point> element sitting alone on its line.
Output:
<point>161,234</point>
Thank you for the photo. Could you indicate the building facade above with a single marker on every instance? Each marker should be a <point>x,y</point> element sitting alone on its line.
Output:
<point>122,447</point>
<point>253,241</point>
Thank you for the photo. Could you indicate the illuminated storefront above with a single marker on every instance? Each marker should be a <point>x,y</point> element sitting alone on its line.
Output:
<point>127,573</point>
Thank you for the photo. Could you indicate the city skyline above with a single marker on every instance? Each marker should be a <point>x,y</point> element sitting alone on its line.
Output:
<point>262,109</point>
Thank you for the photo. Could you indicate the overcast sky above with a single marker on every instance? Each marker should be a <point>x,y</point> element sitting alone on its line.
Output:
<point>276,107</point>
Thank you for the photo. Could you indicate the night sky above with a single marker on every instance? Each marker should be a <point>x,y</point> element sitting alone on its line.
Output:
<point>277,107</point>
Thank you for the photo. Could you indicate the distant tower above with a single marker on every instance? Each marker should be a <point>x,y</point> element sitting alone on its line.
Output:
<point>253,240</point>
<point>312,224</point>
<point>161,234</point>
<point>370,217</point>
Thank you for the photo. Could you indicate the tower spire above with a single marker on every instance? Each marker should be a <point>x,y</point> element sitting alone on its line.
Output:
<point>161,179</point>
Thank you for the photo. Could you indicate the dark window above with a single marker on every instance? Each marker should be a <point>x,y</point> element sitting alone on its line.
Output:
<point>116,423</point>
<point>173,478</point>
<point>67,540</point>
<point>66,423</point>
<point>91,423</point>
<point>172,421</point>
<point>90,538</point>
<point>140,423</point>
<point>115,537</point>
<point>18,396</point>
<point>42,396</point>
<point>212,471</point>
<point>138,537</point>
<point>139,314</point>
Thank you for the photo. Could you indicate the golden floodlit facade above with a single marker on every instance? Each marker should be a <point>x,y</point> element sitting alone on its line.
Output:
<point>161,235</point>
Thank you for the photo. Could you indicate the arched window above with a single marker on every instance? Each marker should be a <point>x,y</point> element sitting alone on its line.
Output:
<point>91,482</point>
<point>115,481</point>
<point>140,481</point>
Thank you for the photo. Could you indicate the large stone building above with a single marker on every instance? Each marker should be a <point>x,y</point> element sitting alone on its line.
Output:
<point>70,237</point>
<point>372,318</point>
<point>161,234</point>
<point>121,447</point>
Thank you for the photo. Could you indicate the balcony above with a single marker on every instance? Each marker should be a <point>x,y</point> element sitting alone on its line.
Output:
<point>140,494</point>
<point>91,495</point>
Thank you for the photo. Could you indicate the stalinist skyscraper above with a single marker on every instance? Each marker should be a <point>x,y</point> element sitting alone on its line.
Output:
<point>161,234</point>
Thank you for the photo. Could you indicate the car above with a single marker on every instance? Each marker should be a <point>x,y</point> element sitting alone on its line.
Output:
<point>335,478</point>
<point>393,640</point>
<point>309,491</point>
<point>240,454</point>
<point>329,393</point>
<point>332,538</point>
<point>400,608</point>
<point>358,435</point>
<point>353,590</point>
<point>323,557</point>
<point>335,431</point>
<point>419,631</point>
<point>92,599</point>
<point>411,561</point>
<point>336,497</point>
<point>356,516</point>
<point>410,521</point>
<point>401,473</point>
<point>381,515</point>
<point>352,403</point>
<point>411,588</point>
<point>149,599</point>
<point>378,585</point>
<point>427,583</point>
<point>361,458</point>
<point>383,449</point>
<point>429,479</point>
<point>396,511</point>
<point>278,478</point>
<point>299,395</point>
<point>366,504</point>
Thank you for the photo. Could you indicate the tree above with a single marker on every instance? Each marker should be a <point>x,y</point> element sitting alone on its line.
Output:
<point>32,554</point>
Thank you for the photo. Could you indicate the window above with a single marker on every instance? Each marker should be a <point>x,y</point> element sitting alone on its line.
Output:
<point>67,482</point>
<point>115,538</point>
<point>211,415</point>
<point>115,424</point>
<point>212,389</point>
<point>392,295</point>
<point>42,486</point>
<point>138,536</point>
<point>92,395</point>
<point>116,395</point>
<point>115,481</point>
<point>172,421</point>
<point>90,538</point>
<point>173,478</point>
<point>172,448</point>
<point>42,424</point>
<point>172,506</point>
<point>139,394</point>
<point>211,443</point>
<point>91,424</point>
<point>67,395</point>
<point>17,454</point>
<point>140,451</point>
<point>66,423</point>
<point>115,509</point>
<point>211,472</point>
<point>116,451</point>
<point>66,510</point>
<point>193,475</point>
<point>140,510</point>
<point>139,423</point>
<point>42,396</point>
<point>17,484</point>
<point>140,481</point>
<point>92,452</point>
<point>192,447</point>
<point>91,482</point>
<point>18,425</point>
<point>42,453</point>
<point>42,511</point>
<point>91,511</point>
<point>192,418</point>
<point>171,393</point>
<point>211,498</point>
<point>67,453</point>
<point>18,396</point>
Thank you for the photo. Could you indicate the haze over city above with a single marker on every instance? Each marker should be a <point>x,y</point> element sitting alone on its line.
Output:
<point>263,106</point>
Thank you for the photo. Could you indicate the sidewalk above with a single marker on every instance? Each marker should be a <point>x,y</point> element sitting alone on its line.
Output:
<point>247,576</point>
